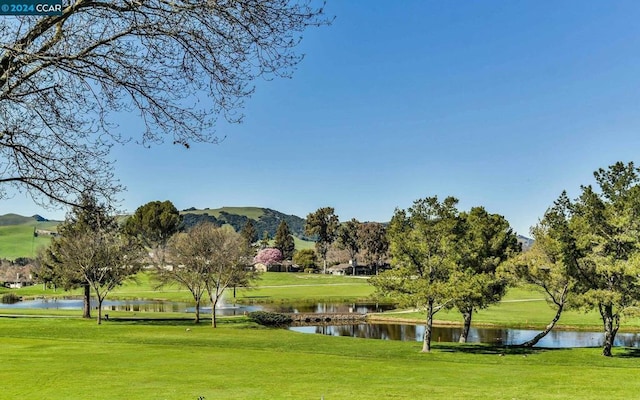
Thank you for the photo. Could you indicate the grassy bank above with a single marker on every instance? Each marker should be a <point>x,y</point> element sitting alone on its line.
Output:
<point>75,359</point>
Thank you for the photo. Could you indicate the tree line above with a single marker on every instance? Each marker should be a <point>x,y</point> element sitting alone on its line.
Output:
<point>586,253</point>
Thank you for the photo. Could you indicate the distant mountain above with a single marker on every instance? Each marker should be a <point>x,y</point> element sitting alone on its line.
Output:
<point>264,219</point>
<point>15,219</point>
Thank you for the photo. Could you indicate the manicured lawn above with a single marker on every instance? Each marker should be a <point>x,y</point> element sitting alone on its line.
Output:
<point>75,359</point>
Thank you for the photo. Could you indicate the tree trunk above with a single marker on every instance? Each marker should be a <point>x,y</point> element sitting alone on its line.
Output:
<point>611,324</point>
<point>547,329</point>
<point>467,314</point>
<point>100,310</point>
<point>426,344</point>
<point>213,312</point>
<point>197,321</point>
<point>86,304</point>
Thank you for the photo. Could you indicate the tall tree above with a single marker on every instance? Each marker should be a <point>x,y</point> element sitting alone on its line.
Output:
<point>284,241</point>
<point>605,227</point>
<point>373,240</point>
<point>91,249</point>
<point>154,223</point>
<point>422,241</point>
<point>64,79</point>
<point>322,224</point>
<point>347,239</point>
<point>547,265</point>
<point>265,241</point>
<point>485,241</point>
<point>249,233</point>
<point>88,216</point>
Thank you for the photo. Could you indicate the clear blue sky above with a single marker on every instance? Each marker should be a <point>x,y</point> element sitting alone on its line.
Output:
<point>500,103</point>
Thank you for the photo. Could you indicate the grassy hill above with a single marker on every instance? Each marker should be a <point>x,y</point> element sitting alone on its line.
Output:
<point>17,237</point>
<point>17,232</point>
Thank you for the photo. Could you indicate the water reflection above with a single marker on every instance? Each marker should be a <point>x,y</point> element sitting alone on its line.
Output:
<point>555,339</point>
<point>328,307</point>
<point>223,309</point>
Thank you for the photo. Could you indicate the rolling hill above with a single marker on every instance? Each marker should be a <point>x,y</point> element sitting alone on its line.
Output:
<point>264,219</point>
<point>22,236</point>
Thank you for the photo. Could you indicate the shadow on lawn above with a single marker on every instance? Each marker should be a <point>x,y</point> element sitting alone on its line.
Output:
<point>491,349</point>
<point>630,352</point>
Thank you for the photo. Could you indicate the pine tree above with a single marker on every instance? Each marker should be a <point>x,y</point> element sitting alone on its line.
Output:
<point>284,241</point>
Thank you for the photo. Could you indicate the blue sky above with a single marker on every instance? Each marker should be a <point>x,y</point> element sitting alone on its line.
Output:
<point>500,104</point>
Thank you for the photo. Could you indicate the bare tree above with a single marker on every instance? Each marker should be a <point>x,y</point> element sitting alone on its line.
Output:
<point>207,258</point>
<point>91,251</point>
<point>64,78</point>
<point>104,258</point>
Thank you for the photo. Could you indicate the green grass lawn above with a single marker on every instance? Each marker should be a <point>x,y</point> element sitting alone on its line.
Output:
<point>57,355</point>
<point>60,358</point>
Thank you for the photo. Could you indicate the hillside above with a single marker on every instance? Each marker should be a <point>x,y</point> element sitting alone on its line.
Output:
<point>264,219</point>
<point>22,236</point>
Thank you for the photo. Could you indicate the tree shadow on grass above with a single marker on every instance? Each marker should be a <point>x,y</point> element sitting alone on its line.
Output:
<point>629,352</point>
<point>500,350</point>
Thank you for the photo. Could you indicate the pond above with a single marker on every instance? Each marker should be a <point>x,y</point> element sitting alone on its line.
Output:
<point>225,309</point>
<point>406,332</point>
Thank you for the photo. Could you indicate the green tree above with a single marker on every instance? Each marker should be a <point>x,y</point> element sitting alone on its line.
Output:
<point>322,224</point>
<point>373,240</point>
<point>265,241</point>
<point>249,233</point>
<point>422,241</point>
<point>64,79</point>
<point>347,239</point>
<point>306,258</point>
<point>605,226</point>
<point>154,223</point>
<point>284,241</point>
<point>546,265</point>
<point>485,241</point>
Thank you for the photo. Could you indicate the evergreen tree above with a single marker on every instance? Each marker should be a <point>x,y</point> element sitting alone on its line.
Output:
<point>284,241</point>
<point>249,232</point>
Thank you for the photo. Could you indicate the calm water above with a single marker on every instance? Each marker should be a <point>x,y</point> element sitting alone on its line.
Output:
<point>406,332</point>
<point>173,306</point>
<point>555,339</point>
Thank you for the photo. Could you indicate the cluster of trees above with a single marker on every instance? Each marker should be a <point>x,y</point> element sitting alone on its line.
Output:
<point>444,258</point>
<point>368,239</point>
<point>97,253</point>
<point>586,253</point>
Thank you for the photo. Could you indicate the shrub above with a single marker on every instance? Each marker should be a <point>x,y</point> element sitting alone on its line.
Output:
<point>270,318</point>
<point>9,298</point>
